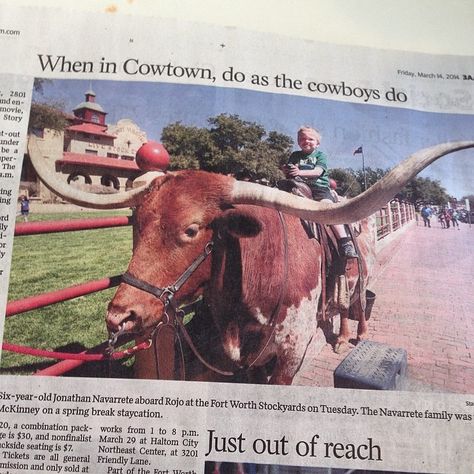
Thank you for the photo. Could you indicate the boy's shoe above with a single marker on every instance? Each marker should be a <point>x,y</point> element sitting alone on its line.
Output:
<point>348,250</point>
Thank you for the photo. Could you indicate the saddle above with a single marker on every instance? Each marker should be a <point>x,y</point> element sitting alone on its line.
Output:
<point>295,186</point>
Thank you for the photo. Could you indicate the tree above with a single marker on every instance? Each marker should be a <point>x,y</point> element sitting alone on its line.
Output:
<point>347,183</point>
<point>280,143</point>
<point>46,114</point>
<point>230,131</point>
<point>38,84</point>
<point>424,190</point>
<point>230,145</point>
<point>50,116</point>
<point>371,176</point>
<point>190,147</point>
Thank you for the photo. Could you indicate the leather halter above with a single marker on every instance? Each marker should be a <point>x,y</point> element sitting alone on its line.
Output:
<point>167,294</point>
<point>174,315</point>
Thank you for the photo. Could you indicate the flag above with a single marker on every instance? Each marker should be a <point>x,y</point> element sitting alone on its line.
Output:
<point>358,150</point>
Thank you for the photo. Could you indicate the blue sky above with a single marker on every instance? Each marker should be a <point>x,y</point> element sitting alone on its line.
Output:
<point>388,135</point>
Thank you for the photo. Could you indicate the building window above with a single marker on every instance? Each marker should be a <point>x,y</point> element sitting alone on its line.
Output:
<point>129,184</point>
<point>91,152</point>
<point>95,118</point>
<point>112,155</point>
<point>127,157</point>
<point>110,181</point>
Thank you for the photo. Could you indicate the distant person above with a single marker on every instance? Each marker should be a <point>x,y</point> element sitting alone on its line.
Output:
<point>447,218</point>
<point>441,219</point>
<point>24,207</point>
<point>426,213</point>
<point>454,218</point>
<point>310,165</point>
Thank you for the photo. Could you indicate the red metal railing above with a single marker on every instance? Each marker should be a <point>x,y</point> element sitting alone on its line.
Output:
<point>53,297</point>
<point>49,227</point>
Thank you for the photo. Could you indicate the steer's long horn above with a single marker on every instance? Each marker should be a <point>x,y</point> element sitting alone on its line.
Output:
<point>44,166</point>
<point>353,209</point>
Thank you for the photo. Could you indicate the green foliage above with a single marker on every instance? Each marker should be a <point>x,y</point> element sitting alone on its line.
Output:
<point>417,191</point>
<point>424,190</point>
<point>184,162</point>
<point>347,183</point>
<point>371,176</point>
<point>230,145</point>
<point>39,83</point>
<point>189,147</point>
<point>350,182</point>
<point>47,116</point>
<point>230,131</point>
<point>279,143</point>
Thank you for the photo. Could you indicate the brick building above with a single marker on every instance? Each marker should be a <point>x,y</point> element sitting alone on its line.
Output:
<point>88,153</point>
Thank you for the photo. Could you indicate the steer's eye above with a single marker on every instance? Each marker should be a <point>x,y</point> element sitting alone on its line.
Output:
<point>192,231</point>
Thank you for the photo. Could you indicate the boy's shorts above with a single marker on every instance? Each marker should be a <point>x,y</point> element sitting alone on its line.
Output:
<point>320,193</point>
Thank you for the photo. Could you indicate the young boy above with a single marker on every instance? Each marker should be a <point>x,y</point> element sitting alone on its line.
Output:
<point>311,166</point>
<point>24,207</point>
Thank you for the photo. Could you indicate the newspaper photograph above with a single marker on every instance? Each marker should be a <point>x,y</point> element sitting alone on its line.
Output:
<point>217,263</point>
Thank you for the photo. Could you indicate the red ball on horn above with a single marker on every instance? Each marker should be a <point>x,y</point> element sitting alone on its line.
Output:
<point>152,156</point>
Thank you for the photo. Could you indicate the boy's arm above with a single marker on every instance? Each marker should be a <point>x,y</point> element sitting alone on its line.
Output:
<point>319,167</point>
<point>314,173</point>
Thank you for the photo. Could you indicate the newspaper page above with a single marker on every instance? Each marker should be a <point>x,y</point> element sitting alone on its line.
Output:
<point>275,362</point>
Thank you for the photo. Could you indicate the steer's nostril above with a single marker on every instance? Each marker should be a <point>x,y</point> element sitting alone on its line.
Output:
<point>123,321</point>
<point>132,316</point>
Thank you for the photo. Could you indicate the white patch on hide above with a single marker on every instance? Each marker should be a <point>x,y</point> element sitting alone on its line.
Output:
<point>233,352</point>
<point>260,317</point>
<point>294,334</point>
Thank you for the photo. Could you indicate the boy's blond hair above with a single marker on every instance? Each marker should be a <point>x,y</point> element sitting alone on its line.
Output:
<point>312,132</point>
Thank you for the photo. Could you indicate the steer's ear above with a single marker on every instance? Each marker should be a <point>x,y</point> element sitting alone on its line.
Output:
<point>238,223</point>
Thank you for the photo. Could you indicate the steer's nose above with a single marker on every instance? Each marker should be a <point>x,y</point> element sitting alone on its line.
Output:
<point>128,320</point>
<point>132,310</point>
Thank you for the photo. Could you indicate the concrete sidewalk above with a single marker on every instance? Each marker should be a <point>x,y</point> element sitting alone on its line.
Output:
<point>425,305</point>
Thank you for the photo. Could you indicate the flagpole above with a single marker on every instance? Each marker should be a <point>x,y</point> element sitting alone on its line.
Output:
<point>363,168</point>
<point>361,151</point>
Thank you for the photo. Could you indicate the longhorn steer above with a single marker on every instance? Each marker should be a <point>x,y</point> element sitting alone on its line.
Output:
<point>262,282</point>
<point>262,308</point>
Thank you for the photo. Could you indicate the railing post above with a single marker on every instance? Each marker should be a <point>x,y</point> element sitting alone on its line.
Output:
<point>403,210</point>
<point>399,214</point>
<point>390,217</point>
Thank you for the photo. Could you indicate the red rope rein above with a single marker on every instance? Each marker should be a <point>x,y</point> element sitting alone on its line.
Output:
<point>74,356</point>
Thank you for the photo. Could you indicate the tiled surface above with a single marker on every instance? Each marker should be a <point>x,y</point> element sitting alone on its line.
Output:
<point>424,304</point>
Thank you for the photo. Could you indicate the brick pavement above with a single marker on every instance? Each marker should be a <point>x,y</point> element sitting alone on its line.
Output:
<point>423,283</point>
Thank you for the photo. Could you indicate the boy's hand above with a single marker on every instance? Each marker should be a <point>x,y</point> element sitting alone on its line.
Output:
<point>291,170</point>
